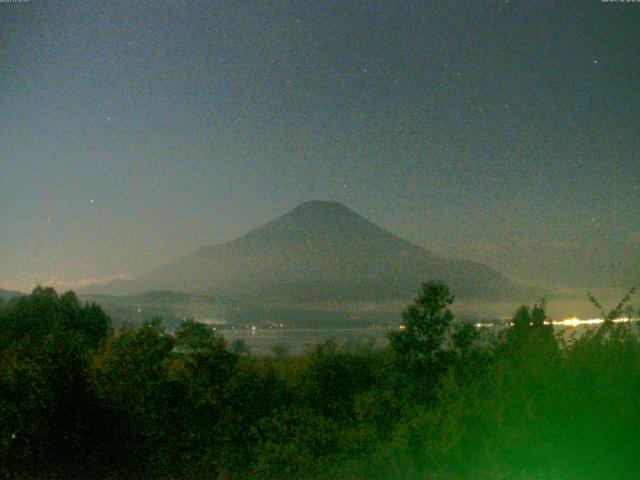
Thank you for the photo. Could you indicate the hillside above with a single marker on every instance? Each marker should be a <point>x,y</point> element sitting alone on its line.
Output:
<point>8,294</point>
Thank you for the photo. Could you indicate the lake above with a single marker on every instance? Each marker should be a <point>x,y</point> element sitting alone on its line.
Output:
<point>295,341</point>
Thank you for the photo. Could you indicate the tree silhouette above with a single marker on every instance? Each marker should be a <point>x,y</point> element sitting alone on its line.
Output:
<point>426,322</point>
<point>419,346</point>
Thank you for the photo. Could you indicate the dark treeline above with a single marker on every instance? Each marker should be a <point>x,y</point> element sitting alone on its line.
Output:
<point>80,400</point>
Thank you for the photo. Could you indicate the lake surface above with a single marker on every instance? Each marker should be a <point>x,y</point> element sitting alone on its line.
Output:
<point>295,341</point>
<point>262,341</point>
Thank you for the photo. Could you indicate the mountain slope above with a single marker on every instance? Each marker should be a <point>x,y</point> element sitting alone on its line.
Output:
<point>8,294</point>
<point>320,251</point>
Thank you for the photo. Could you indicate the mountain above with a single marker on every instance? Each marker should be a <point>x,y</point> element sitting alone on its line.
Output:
<point>8,294</point>
<point>318,252</point>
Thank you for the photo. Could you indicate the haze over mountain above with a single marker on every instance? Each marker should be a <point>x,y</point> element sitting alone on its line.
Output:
<point>8,294</point>
<point>319,251</point>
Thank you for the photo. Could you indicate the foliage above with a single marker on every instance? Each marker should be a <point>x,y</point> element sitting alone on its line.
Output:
<point>444,400</point>
<point>426,322</point>
<point>36,315</point>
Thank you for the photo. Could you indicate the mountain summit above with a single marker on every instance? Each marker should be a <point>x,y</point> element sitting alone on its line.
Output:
<point>319,251</point>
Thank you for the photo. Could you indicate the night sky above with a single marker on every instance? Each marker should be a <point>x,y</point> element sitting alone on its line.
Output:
<point>504,131</point>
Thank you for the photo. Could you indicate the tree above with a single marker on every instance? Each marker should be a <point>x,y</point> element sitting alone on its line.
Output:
<point>419,344</point>
<point>622,309</point>
<point>132,377</point>
<point>426,322</point>
<point>529,320</point>
<point>335,377</point>
<point>209,363</point>
<point>43,311</point>
<point>193,335</point>
<point>50,416</point>
<point>240,347</point>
